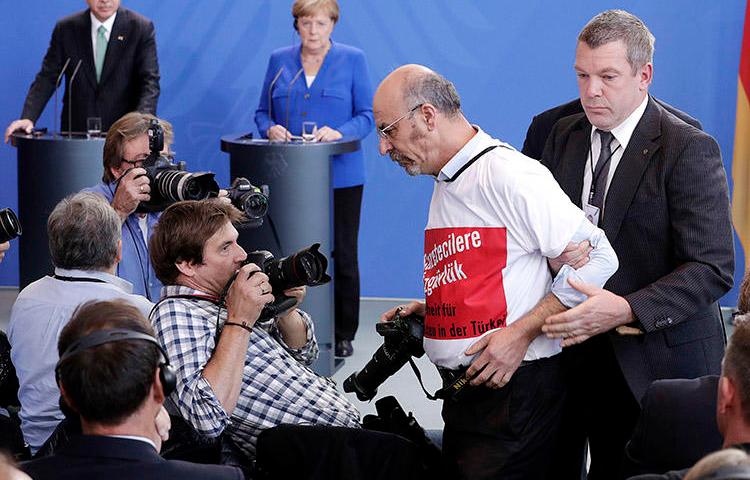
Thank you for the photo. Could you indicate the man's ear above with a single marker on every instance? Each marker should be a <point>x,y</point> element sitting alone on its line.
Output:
<point>66,401</point>
<point>186,268</point>
<point>646,74</point>
<point>429,113</point>
<point>727,394</point>
<point>157,389</point>
<point>119,250</point>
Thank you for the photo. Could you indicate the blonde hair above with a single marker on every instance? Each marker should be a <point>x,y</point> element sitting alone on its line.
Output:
<point>308,8</point>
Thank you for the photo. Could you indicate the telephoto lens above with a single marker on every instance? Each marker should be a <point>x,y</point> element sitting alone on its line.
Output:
<point>10,227</point>
<point>402,339</point>
<point>177,185</point>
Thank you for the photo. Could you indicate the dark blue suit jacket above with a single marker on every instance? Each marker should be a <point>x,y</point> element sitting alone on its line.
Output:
<point>93,456</point>
<point>340,97</point>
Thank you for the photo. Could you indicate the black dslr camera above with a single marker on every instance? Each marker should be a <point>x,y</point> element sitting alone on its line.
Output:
<point>248,198</point>
<point>402,339</point>
<point>10,227</point>
<point>170,182</point>
<point>305,267</point>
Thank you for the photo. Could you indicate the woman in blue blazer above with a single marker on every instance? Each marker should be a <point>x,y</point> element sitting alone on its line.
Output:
<point>327,83</point>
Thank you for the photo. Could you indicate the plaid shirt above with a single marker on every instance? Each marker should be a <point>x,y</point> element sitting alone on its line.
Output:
<point>277,385</point>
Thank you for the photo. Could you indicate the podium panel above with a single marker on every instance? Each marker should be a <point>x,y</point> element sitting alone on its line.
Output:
<point>50,167</point>
<point>300,212</point>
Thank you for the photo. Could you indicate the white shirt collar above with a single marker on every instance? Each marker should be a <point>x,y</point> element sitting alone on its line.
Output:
<point>95,23</point>
<point>135,437</point>
<point>624,130</point>
<point>118,282</point>
<point>477,143</point>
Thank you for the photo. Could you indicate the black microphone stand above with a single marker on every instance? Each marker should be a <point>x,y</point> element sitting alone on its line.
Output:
<point>55,131</point>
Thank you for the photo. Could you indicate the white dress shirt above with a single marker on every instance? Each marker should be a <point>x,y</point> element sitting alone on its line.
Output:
<point>622,134</point>
<point>95,24</point>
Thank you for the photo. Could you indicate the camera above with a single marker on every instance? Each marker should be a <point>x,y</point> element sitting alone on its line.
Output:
<point>305,267</point>
<point>10,227</point>
<point>248,198</point>
<point>169,181</point>
<point>402,339</point>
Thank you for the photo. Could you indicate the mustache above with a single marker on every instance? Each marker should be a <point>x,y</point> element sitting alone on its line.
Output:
<point>398,157</point>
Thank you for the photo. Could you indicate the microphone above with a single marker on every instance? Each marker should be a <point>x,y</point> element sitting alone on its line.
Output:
<point>288,95</point>
<point>57,86</point>
<point>270,90</point>
<point>70,96</point>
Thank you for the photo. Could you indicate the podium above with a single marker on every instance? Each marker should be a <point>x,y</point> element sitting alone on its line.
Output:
<point>50,167</point>
<point>300,213</point>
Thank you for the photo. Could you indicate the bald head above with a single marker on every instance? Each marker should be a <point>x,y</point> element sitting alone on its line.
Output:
<point>411,85</point>
<point>419,120</point>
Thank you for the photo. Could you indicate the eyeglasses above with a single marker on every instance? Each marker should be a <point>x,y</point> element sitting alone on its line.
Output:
<point>138,161</point>
<point>385,132</point>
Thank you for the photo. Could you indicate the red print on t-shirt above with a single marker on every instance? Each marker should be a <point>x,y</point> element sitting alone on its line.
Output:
<point>463,281</point>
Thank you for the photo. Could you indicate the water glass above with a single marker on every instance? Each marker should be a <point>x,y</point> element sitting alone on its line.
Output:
<point>309,130</point>
<point>94,126</point>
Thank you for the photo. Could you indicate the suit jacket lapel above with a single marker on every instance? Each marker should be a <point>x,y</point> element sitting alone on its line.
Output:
<point>570,169</point>
<point>85,50</point>
<point>118,38</point>
<point>627,177</point>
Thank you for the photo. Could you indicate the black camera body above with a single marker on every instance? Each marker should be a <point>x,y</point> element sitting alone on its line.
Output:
<point>402,339</point>
<point>305,267</point>
<point>251,200</point>
<point>169,181</point>
<point>10,227</point>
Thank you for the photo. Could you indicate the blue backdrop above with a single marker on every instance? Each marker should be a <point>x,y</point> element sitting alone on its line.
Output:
<point>509,61</point>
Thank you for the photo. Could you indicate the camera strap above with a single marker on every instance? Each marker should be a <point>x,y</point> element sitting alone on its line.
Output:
<point>456,385</point>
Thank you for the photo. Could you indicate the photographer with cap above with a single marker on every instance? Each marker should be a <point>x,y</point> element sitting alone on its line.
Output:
<point>115,375</point>
<point>236,376</point>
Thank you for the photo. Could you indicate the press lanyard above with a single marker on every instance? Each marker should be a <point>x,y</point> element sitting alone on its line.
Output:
<point>468,164</point>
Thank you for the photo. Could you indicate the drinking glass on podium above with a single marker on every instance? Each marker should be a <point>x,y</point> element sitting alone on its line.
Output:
<point>93,126</point>
<point>309,130</point>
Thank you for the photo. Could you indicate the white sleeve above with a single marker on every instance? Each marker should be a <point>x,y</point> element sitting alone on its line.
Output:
<point>602,264</point>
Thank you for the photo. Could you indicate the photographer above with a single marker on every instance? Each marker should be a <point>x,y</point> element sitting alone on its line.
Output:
<point>234,376</point>
<point>136,148</point>
<point>495,219</point>
<point>125,185</point>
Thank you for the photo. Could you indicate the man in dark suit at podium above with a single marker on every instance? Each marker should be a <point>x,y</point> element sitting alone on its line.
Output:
<point>119,71</point>
<point>658,189</point>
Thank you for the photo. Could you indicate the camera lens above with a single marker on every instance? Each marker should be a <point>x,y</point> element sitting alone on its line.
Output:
<point>306,267</point>
<point>176,185</point>
<point>255,205</point>
<point>10,227</point>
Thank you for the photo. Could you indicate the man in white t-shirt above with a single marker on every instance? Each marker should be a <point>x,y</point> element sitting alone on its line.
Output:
<point>495,219</point>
